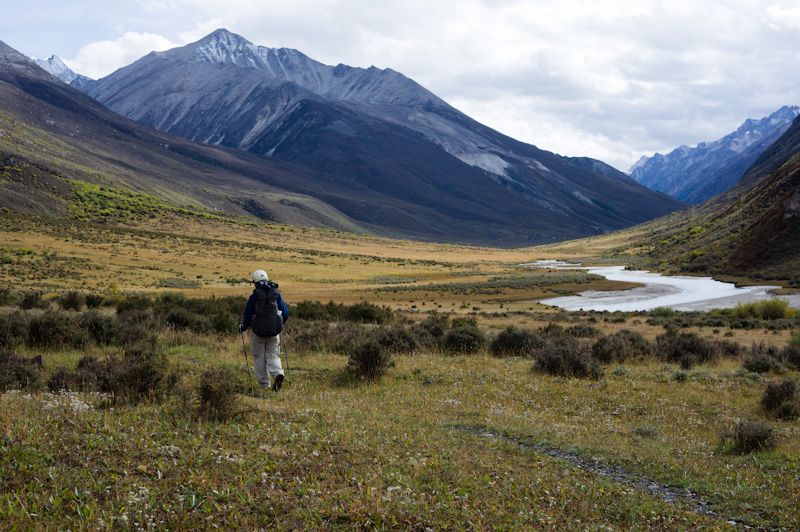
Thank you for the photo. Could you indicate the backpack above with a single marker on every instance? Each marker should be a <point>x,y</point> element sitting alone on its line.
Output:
<point>267,317</point>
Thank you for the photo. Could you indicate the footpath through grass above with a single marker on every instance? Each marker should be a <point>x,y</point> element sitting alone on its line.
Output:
<point>440,443</point>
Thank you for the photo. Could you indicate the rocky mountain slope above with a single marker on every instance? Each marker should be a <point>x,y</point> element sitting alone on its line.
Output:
<point>57,68</point>
<point>752,229</point>
<point>377,129</point>
<point>696,174</point>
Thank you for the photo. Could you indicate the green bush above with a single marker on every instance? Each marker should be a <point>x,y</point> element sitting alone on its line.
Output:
<point>397,339</point>
<point>432,329</point>
<point>662,312</point>
<point>134,303</point>
<point>765,309</point>
<point>7,297</point>
<point>369,361</point>
<point>781,400</point>
<point>750,436</point>
<point>72,301</point>
<point>515,342</point>
<point>623,346</point>
<point>102,328</point>
<point>18,373</point>
<point>55,329</point>
<point>217,397</point>
<point>33,300</point>
<point>790,355</point>
<point>307,336</point>
<point>366,312</point>
<point>686,349</point>
<point>181,318</point>
<point>345,337</point>
<point>795,338</point>
<point>567,359</point>
<point>465,339</point>
<point>13,330</point>
<point>316,311</point>
<point>95,300</point>
<point>762,359</point>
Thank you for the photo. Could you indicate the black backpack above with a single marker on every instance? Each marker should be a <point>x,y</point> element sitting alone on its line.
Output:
<point>267,317</point>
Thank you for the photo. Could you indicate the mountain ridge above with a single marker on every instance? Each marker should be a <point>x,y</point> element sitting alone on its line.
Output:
<point>695,174</point>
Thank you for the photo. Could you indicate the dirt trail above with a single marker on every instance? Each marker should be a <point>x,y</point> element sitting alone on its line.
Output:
<point>619,474</point>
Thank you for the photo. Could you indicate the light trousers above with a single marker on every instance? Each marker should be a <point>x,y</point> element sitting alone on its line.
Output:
<point>266,356</point>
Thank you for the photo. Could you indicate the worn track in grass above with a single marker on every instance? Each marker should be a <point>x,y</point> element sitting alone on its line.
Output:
<point>618,474</point>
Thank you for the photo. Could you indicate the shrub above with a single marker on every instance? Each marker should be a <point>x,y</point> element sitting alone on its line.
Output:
<point>307,336</point>
<point>397,339</point>
<point>583,331</point>
<point>765,309</point>
<point>33,300</point>
<point>102,328</point>
<point>687,349</point>
<point>781,400</point>
<point>515,342</point>
<point>795,338</point>
<point>6,296</point>
<point>95,300</point>
<point>345,337</point>
<point>790,355</point>
<point>140,374</point>
<point>366,312</point>
<point>55,329</point>
<point>181,318</point>
<point>432,329</point>
<point>217,397</point>
<point>72,301</point>
<point>17,372</point>
<point>13,330</point>
<point>465,340</point>
<point>762,359</point>
<point>134,303</point>
<point>749,436</point>
<point>567,359</point>
<point>316,311</point>
<point>622,346</point>
<point>86,377</point>
<point>662,312</point>
<point>369,361</point>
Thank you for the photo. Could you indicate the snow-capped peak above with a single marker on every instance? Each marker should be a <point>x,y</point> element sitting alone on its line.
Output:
<point>57,68</point>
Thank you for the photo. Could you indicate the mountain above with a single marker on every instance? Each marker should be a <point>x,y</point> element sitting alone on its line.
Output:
<point>753,229</point>
<point>57,68</point>
<point>696,174</point>
<point>53,138</point>
<point>376,129</point>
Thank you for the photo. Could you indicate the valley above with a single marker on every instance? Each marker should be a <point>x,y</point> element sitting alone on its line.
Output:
<point>427,387</point>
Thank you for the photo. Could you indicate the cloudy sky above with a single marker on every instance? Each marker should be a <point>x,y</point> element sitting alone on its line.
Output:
<point>609,79</point>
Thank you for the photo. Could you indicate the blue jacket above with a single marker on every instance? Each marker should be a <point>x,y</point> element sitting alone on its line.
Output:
<point>251,303</point>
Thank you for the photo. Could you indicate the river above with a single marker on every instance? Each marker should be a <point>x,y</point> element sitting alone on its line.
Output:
<point>673,291</point>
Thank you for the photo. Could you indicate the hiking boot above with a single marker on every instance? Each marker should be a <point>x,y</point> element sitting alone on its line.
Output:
<point>276,386</point>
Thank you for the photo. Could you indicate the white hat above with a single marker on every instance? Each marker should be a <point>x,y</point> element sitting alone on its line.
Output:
<point>260,275</point>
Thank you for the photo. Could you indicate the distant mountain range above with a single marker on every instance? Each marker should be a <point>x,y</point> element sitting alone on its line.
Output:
<point>696,174</point>
<point>359,149</point>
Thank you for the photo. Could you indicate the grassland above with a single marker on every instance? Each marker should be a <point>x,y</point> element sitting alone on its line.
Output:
<point>444,441</point>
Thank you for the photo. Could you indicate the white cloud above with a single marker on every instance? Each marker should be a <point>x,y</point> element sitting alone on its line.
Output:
<point>579,77</point>
<point>102,58</point>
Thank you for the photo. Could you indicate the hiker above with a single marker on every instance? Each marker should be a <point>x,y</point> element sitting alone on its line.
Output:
<point>266,313</point>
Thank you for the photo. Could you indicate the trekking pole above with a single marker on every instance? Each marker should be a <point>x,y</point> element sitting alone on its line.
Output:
<point>286,353</point>
<point>246,363</point>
